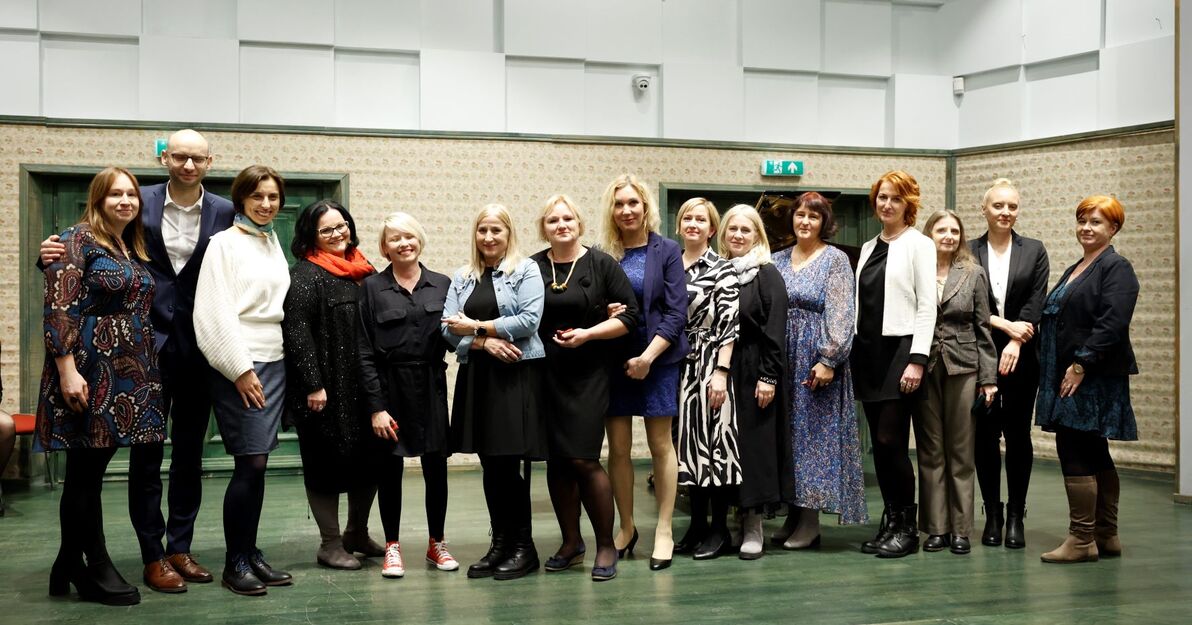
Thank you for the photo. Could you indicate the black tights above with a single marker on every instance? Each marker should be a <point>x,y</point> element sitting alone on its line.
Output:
<point>242,504</point>
<point>80,510</point>
<point>890,430</point>
<point>1010,418</point>
<point>507,493</point>
<point>720,498</point>
<point>1082,453</point>
<point>434,477</point>
<point>575,480</point>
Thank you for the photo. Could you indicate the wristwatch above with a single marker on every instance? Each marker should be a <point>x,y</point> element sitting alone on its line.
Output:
<point>481,330</point>
<point>1077,368</point>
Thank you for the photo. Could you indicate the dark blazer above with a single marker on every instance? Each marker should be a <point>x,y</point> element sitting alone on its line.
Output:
<point>174,300</point>
<point>1093,323</point>
<point>664,303</point>
<point>1026,288</point>
<point>963,342</point>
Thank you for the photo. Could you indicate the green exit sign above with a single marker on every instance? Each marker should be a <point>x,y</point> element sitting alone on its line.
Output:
<point>774,167</point>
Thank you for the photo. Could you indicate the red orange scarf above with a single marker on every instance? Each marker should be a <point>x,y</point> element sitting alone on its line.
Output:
<point>355,267</point>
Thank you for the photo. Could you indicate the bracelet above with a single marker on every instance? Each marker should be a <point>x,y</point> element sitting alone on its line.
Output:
<point>767,380</point>
<point>723,368</point>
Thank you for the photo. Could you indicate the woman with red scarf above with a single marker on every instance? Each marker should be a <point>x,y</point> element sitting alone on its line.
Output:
<point>323,373</point>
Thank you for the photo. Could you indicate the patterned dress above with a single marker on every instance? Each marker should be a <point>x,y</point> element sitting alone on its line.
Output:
<point>97,309</point>
<point>707,440</point>
<point>825,446</point>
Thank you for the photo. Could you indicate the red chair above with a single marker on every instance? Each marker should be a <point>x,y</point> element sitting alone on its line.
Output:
<point>27,424</point>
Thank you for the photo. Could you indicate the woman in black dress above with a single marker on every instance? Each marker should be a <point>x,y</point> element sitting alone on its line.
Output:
<point>581,283</point>
<point>323,373</point>
<point>404,380</point>
<point>491,318</point>
<point>757,369</point>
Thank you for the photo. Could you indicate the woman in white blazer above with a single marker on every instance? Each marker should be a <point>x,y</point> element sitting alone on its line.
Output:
<point>896,306</point>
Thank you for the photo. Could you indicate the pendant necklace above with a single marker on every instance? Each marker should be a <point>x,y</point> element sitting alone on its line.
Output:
<point>555,287</point>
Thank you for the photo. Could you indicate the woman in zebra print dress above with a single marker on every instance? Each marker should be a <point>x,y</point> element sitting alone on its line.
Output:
<point>709,459</point>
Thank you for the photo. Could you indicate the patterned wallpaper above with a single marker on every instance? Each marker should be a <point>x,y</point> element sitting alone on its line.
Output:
<point>1140,171</point>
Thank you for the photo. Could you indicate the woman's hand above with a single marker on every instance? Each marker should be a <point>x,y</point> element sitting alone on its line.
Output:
<point>615,309</point>
<point>1021,331</point>
<point>251,391</point>
<point>912,376</point>
<point>764,394</point>
<point>460,325</point>
<point>384,426</point>
<point>572,338</point>
<point>317,400</point>
<point>1009,359</point>
<point>51,250</point>
<point>1071,382</point>
<point>821,376</point>
<point>717,389</point>
<point>989,391</point>
<point>501,349</point>
<point>638,367</point>
<point>74,390</point>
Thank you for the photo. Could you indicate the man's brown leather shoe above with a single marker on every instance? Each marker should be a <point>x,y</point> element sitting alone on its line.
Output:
<point>190,570</point>
<point>162,577</point>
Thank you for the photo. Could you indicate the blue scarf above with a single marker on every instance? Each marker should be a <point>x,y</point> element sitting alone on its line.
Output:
<point>244,223</point>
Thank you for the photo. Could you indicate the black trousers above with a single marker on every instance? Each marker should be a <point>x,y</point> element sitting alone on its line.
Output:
<point>1009,418</point>
<point>187,399</point>
<point>890,430</point>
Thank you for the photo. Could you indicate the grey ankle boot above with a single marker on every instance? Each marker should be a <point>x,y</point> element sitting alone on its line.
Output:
<point>355,536</point>
<point>324,507</point>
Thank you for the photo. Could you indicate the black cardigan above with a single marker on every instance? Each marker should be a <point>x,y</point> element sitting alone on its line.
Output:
<point>1093,323</point>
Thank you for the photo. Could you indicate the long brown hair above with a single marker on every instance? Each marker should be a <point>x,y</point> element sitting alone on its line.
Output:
<point>963,256</point>
<point>134,234</point>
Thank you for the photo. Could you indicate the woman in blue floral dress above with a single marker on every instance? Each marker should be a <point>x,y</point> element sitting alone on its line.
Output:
<point>100,388</point>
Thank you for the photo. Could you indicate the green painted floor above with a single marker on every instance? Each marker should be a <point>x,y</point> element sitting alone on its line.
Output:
<point>1151,584</point>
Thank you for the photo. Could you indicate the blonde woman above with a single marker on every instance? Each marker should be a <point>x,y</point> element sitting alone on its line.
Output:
<point>491,319</point>
<point>757,369</point>
<point>650,386</point>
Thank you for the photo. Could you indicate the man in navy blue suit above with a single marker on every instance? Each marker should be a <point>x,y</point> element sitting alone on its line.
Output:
<point>179,217</point>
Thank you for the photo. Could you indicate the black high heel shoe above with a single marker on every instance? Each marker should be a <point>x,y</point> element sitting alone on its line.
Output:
<point>62,573</point>
<point>627,550</point>
<point>691,539</point>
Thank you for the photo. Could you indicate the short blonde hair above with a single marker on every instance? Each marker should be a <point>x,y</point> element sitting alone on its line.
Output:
<point>694,203</point>
<point>513,255</point>
<point>406,223</point>
<point>549,206</point>
<point>611,237</point>
<point>1000,183</point>
<point>760,252</point>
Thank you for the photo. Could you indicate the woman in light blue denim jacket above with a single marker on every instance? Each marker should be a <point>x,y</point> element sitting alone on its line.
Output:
<point>491,316</point>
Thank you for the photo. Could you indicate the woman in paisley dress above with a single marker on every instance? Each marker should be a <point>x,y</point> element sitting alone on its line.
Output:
<point>825,472</point>
<point>100,388</point>
<point>709,458</point>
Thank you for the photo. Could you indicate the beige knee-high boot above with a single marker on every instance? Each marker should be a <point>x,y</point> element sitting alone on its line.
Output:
<point>1079,546</point>
<point>1106,533</point>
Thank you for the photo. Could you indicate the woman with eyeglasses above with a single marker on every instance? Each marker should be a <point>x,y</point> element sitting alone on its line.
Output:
<point>323,379</point>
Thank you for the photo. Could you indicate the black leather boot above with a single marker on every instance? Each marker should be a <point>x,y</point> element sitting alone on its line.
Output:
<point>884,529</point>
<point>498,551</point>
<point>905,539</point>
<point>1015,533</point>
<point>267,574</point>
<point>523,558</point>
<point>992,536</point>
<point>239,578</point>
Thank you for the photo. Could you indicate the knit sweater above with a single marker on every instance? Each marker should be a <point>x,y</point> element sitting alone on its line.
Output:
<point>238,304</point>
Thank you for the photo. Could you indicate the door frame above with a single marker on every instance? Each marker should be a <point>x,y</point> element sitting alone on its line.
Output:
<point>666,188</point>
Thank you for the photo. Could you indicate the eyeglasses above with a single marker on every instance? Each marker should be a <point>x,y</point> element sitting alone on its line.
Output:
<point>180,159</point>
<point>330,231</point>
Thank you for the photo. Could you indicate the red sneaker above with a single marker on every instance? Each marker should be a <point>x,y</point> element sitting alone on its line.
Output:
<point>437,554</point>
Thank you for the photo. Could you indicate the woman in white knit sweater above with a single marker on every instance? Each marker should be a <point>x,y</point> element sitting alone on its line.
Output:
<point>238,313</point>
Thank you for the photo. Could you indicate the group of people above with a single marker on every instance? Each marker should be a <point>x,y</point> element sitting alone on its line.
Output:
<point>745,365</point>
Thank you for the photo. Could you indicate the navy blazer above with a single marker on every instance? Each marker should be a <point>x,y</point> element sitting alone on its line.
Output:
<point>664,300</point>
<point>174,299</point>
<point>1093,323</point>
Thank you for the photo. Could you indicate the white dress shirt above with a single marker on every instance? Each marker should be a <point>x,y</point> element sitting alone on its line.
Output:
<point>180,229</point>
<point>999,277</point>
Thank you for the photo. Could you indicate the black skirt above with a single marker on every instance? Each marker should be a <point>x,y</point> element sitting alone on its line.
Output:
<point>495,409</point>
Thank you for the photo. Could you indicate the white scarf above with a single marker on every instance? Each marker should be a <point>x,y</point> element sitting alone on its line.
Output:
<point>746,267</point>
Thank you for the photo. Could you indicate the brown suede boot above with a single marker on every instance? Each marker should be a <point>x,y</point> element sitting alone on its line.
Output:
<point>1106,533</point>
<point>1079,546</point>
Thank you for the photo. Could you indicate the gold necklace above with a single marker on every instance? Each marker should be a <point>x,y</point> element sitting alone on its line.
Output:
<point>555,287</point>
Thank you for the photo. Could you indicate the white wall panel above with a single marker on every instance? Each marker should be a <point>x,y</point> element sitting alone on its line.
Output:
<point>701,31</point>
<point>20,73</point>
<point>545,28</point>
<point>852,111</point>
<point>544,96</point>
<point>991,108</point>
<point>857,37</point>
<point>93,79</point>
<point>376,90</point>
<point>980,35</point>
<point>206,91</point>
<point>1059,28</point>
<point>1136,84</point>
<point>286,21</point>
<point>210,19</point>
<point>88,17</point>
<point>613,108</point>
<point>286,85</point>
<point>781,107</point>
<point>624,31</point>
<point>781,34</point>
<point>703,101</point>
<point>917,40</point>
<point>378,24</point>
<point>1061,97</point>
<point>459,25</point>
<point>1130,21</point>
<point>924,112</point>
<point>18,14</point>
<point>462,90</point>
